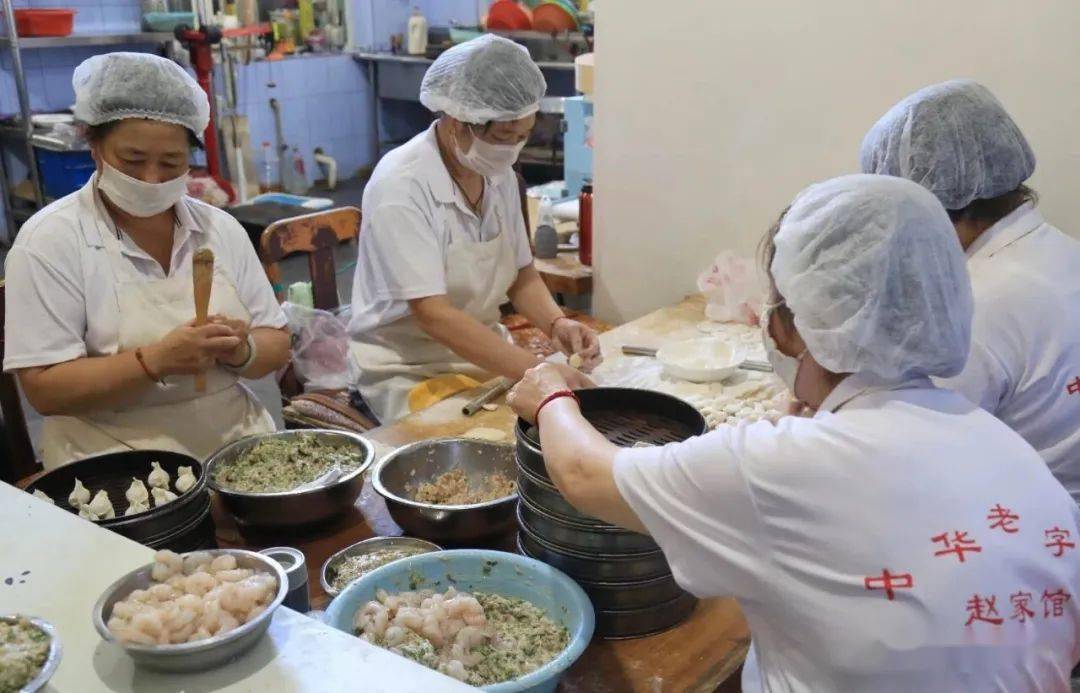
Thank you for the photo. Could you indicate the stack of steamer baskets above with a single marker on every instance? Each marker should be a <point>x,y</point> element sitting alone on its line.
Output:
<point>624,573</point>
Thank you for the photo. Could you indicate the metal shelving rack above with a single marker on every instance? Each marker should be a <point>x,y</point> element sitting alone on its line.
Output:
<point>22,132</point>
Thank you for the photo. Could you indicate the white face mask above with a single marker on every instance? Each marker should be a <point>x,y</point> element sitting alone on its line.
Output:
<point>139,198</point>
<point>489,159</point>
<point>786,367</point>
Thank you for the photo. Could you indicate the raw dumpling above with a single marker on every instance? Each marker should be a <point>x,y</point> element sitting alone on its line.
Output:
<point>44,497</point>
<point>101,506</point>
<point>136,493</point>
<point>84,513</point>
<point>79,496</point>
<point>136,508</point>
<point>159,478</point>
<point>576,361</point>
<point>185,479</point>
<point>162,496</point>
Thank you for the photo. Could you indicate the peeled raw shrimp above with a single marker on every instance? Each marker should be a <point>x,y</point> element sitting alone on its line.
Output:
<point>454,669</point>
<point>223,562</point>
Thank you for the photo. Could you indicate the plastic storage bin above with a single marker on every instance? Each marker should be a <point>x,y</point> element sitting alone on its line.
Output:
<point>51,22</point>
<point>62,173</point>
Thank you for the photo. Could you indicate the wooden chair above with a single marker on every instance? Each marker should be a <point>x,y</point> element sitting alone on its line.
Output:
<point>17,459</point>
<point>317,235</point>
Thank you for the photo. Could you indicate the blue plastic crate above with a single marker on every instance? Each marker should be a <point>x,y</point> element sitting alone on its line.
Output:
<point>62,173</point>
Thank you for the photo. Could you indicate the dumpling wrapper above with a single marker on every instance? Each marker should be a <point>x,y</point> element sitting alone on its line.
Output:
<point>184,482</point>
<point>158,477</point>
<point>101,506</point>
<point>137,492</point>
<point>162,496</point>
<point>79,496</point>
<point>136,508</point>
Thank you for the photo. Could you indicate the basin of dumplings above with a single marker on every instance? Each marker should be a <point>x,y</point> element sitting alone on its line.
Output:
<point>704,360</point>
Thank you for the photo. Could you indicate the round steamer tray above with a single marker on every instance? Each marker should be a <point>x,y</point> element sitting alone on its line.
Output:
<point>579,537</point>
<point>639,623</point>
<point>167,526</point>
<point>544,495</point>
<point>625,416</point>
<point>620,596</point>
<point>595,567</point>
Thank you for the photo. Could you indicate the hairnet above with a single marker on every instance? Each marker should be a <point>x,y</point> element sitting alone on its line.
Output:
<point>487,78</point>
<point>115,86</point>
<point>873,272</point>
<point>954,139</point>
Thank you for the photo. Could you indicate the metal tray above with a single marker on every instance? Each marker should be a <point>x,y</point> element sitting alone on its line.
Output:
<point>579,537</point>
<point>598,567</point>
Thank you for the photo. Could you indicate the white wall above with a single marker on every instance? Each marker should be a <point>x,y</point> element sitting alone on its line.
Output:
<point>712,115</point>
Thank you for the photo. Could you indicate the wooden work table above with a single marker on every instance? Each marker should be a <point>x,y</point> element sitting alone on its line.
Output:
<point>695,657</point>
<point>564,274</point>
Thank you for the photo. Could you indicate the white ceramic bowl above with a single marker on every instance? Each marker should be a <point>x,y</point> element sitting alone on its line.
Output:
<point>704,360</point>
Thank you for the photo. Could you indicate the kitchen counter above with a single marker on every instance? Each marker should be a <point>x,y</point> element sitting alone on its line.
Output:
<point>59,564</point>
<point>697,656</point>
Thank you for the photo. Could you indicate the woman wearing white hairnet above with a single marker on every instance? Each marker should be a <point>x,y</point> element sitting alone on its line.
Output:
<point>902,539</point>
<point>956,140</point>
<point>443,242</point>
<point>99,284</point>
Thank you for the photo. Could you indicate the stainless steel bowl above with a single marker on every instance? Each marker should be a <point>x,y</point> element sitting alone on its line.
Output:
<point>368,546</point>
<point>52,660</point>
<point>447,524</point>
<point>581,537</point>
<point>203,654</point>
<point>291,508</point>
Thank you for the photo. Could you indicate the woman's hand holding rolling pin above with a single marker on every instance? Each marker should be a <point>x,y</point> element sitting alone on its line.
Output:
<point>189,350</point>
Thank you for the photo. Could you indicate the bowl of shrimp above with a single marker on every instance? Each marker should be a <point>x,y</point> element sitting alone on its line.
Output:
<point>499,621</point>
<point>192,612</point>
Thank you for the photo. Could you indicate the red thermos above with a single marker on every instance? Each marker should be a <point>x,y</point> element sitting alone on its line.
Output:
<point>585,225</point>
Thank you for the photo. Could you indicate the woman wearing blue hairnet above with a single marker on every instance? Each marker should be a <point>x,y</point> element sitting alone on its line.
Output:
<point>896,540</point>
<point>99,284</point>
<point>956,140</point>
<point>443,242</point>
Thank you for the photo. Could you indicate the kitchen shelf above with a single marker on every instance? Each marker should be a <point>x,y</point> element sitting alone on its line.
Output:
<point>89,40</point>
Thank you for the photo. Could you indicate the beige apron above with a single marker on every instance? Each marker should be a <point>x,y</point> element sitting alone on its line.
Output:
<point>394,358</point>
<point>170,417</point>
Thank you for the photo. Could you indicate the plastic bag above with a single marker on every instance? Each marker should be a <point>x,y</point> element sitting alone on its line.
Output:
<point>320,347</point>
<point>734,288</point>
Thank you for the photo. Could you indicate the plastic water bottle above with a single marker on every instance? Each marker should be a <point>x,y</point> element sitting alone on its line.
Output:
<point>546,238</point>
<point>296,182</point>
<point>268,170</point>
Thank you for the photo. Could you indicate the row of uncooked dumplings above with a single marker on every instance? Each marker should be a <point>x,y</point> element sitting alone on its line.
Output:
<point>193,597</point>
<point>101,507</point>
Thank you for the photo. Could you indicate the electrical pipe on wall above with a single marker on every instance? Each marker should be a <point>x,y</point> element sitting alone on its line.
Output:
<point>329,167</point>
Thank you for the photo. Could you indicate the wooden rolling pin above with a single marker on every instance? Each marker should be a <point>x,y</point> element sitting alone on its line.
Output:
<point>202,274</point>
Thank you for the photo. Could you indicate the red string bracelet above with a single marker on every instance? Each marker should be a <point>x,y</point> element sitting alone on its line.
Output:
<point>551,398</point>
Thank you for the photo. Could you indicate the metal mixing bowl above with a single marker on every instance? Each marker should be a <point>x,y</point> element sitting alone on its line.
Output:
<point>397,475</point>
<point>291,508</point>
<point>329,568</point>
<point>202,654</point>
<point>52,660</point>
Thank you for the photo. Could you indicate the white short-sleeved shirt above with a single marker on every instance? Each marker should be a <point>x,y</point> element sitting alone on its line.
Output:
<point>412,213</point>
<point>1024,366</point>
<point>910,541</point>
<point>61,288</point>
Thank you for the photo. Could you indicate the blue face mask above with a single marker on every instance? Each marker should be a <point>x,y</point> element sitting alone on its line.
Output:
<point>786,367</point>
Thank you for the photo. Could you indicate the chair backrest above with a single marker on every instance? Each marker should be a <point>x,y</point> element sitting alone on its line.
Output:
<point>18,460</point>
<point>316,234</point>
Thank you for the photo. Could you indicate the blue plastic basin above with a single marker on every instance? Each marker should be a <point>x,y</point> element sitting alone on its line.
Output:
<point>494,572</point>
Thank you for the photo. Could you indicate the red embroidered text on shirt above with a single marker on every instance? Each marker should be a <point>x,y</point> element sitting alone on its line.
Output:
<point>1054,603</point>
<point>983,609</point>
<point>1058,537</point>
<point>1004,519</point>
<point>889,582</point>
<point>1020,602</point>
<point>958,544</point>
<point>1073,388</point>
